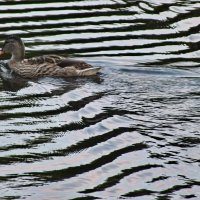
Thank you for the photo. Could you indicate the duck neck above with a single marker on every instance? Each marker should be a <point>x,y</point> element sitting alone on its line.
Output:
<point>18,55</point>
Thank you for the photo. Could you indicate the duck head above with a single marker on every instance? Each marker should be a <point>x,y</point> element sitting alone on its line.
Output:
<point>13,45</point>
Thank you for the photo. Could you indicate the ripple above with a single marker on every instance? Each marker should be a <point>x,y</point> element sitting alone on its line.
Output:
<point>131,132</point>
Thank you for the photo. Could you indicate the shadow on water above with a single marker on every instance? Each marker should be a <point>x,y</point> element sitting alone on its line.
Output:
<point>132,131</point>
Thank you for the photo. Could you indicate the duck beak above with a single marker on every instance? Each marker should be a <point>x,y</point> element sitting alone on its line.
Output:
<point>1,52</point>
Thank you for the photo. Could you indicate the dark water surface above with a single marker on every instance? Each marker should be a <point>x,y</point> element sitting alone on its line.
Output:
<point>133,132</point>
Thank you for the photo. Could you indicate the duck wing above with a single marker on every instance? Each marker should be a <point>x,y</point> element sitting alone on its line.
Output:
<point>49,66</point>
<point>78,64</point>
<point>59,61</point>
<point>49,59</point>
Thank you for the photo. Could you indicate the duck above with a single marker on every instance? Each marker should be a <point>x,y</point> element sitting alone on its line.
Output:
<point>44,65</point>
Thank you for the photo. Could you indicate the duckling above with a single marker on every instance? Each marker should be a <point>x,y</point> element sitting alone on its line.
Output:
<point>45,65</point>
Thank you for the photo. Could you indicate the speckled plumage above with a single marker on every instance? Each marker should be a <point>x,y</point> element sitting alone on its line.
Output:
<point>46,65</point>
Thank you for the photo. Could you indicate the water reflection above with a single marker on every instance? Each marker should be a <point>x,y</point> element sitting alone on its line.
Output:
<point>131,132</point>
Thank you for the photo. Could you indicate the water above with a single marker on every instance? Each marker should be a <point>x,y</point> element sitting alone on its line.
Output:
<point>130,133</point>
